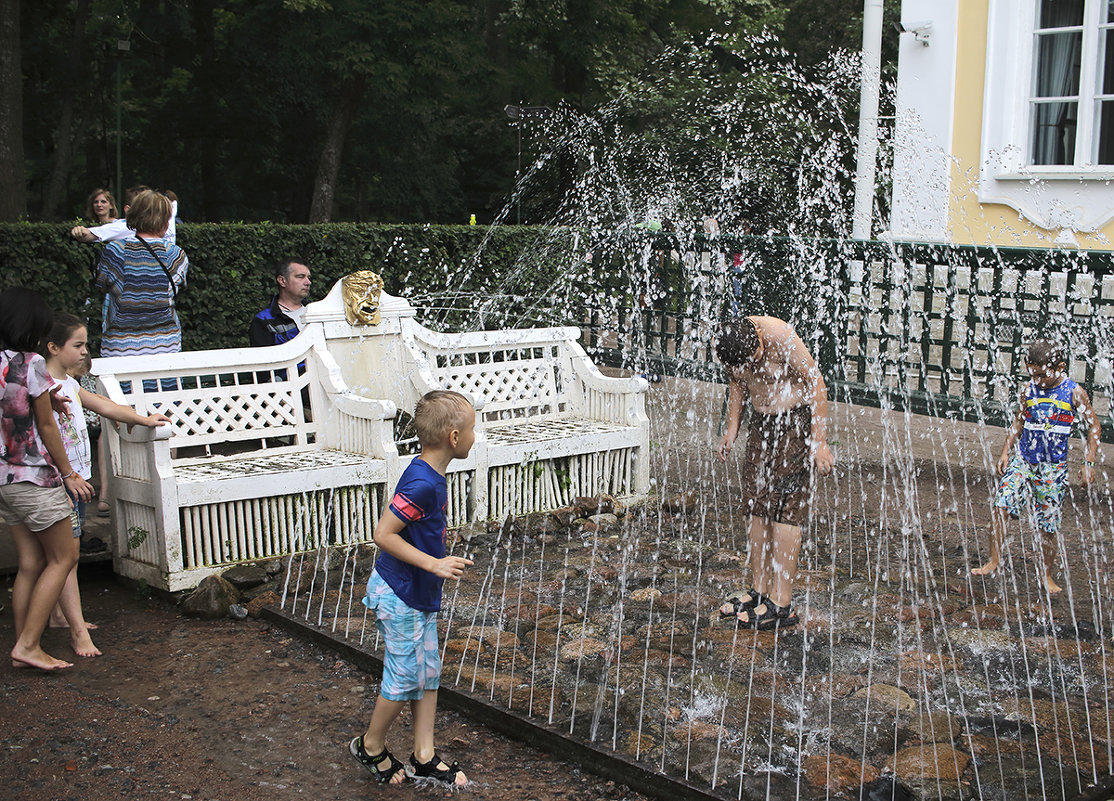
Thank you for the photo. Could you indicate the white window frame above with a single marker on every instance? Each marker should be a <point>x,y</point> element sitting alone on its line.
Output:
<point>1068,198</point>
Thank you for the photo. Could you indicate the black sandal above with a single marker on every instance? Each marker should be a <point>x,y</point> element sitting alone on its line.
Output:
<point>776,617</point>
<point>741,602</point>
<point>383,773</point>
<point>429,770</point>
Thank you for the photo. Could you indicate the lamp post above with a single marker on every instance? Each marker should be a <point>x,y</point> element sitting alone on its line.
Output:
<point>519,115</point>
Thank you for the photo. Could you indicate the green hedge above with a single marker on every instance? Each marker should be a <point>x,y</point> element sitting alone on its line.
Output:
<point>443,270</point>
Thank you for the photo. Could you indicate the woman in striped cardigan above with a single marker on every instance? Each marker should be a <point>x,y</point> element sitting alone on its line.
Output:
<point>141,278</point>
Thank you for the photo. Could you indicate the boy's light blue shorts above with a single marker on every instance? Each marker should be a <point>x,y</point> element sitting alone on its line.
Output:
<point>411,658</point>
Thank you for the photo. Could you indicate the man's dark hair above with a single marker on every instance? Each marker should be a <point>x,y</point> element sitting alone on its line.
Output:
<point>1045,353</point>
<point>282,269</point>
<point>24,319</point>
<point>737,342</point>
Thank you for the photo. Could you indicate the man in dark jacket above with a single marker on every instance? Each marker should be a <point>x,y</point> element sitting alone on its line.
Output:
<point>282,320</point>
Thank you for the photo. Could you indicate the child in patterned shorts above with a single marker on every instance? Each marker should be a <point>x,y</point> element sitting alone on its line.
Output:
<point>404,591</point>
<point>1035,476</point>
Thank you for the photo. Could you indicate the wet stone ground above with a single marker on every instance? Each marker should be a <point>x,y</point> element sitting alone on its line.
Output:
<point>603,621</point>
<point>179,708</point>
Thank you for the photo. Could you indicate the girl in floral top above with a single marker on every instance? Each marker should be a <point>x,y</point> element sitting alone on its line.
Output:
<point>35,474</point>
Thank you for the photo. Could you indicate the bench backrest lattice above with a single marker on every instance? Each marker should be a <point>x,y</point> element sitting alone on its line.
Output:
<point>513,382</point>
<point>226,404</point>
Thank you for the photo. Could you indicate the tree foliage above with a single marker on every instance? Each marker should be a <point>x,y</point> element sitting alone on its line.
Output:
<point>290,110</point>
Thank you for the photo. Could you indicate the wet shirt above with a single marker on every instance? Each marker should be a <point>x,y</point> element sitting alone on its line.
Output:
<point>23,457</point>
<point>419,501</point>
<point>1048,415</point>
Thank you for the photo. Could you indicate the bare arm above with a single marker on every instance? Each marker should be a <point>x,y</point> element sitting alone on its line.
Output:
<point>52,439</point>
<point>737,394</point>
<point>388,536</point>
<point>1094,432</point>
<point>118,412</point>
<point>83,234</point>
<point>1012,435</point>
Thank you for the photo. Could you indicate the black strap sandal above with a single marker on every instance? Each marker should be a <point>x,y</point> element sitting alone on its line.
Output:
<point>383,773</point>
<point>776,617</point>
<point>429,770</point>
<point>741,602</point>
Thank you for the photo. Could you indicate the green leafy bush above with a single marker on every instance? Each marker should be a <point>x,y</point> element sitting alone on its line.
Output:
<point>437,267</point>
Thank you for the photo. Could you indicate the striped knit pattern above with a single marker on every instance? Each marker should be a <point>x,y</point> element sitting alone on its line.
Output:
<point>139,316</point>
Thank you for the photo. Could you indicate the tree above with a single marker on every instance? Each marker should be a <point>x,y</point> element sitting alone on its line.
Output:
<point>13,182</point>
<point>72,88</point>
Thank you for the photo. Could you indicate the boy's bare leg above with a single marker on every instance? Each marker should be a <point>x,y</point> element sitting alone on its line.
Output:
<point>70,603</point>
<point>783,564</point>
<point>1049,552</point>
<point>762,538</point>
<point>773,563</point>
<point>998,522</point>
<point>56,543</point>
<point>425,712</point>
<point>760,534</point>
<point>375,738</point>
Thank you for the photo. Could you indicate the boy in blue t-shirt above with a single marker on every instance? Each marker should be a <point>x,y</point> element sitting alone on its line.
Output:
<point>1035,476</point>
<point>404,591</point>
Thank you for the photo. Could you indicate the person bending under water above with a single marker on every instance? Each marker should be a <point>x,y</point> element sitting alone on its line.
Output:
<point>768,364</point>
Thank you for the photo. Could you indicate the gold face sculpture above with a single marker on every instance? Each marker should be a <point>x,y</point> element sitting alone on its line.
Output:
<point>360,291</point>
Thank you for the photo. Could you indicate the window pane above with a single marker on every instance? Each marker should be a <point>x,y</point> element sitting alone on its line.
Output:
<point>1108,63</point>
<point>1061,13</point>
<point>1110,11</point>
<point>1106,132</point>
<point>1054,133</point>
<point>1058,64</point>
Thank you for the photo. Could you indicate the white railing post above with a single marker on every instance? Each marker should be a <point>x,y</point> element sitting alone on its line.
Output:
<point>868,119</point>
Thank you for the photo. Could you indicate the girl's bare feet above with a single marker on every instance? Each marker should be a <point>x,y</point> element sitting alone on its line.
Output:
<point>83,644</point>
<point>1050,585</point>
<point>62,623</point>
<point>37,659</point>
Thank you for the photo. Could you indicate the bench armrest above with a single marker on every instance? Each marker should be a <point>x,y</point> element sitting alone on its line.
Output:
<point>144,433</point>
<point>612,400</point>
<point>365,408</point>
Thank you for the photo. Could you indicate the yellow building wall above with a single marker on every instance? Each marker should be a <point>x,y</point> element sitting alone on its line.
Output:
<point>969,221</point>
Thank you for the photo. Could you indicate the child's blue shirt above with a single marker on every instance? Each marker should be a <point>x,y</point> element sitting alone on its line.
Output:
<point>419,501</point>
<point>1048,416</point>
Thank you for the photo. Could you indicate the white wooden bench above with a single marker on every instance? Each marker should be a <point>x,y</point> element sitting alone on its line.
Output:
<point>550,428</point>
<point>246,471</point>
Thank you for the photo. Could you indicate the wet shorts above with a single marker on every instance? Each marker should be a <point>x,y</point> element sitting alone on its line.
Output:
<point>37,507</point>
<point>777,474</point>
<point>1034,489</point>
<point>411,659</point>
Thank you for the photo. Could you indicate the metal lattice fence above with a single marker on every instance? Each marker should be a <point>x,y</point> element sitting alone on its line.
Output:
<point>930,328</point>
